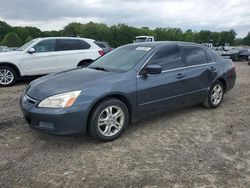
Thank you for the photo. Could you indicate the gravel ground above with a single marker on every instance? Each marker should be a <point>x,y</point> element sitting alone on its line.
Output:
<point>192,147</point>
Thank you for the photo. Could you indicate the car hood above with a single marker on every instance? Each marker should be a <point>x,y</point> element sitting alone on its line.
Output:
<point>10,53</point>
<point>71,80</point>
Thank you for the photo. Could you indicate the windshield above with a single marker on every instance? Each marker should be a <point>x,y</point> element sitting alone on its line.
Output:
<point>140,39</point>
<point>121,59</point>
<point>25,46</point>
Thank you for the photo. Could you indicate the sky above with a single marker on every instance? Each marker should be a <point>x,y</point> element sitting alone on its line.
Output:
<point>214,15</point>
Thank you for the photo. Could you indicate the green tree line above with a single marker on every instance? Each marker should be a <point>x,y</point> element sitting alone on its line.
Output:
<point>117,35</point>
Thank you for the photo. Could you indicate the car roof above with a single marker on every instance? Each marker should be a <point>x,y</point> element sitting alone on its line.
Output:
<point>87,39</point>
<point>159,43</point>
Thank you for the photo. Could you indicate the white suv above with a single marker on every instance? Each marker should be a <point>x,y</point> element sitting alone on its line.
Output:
<point>47,55</point>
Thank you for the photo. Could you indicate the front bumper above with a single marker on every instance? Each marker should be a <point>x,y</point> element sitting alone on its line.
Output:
<point>64,121</point>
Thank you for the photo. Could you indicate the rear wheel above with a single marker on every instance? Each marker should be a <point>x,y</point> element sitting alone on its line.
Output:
<point>215,95</point>
<point>108,120</point>
<point>8,76</point>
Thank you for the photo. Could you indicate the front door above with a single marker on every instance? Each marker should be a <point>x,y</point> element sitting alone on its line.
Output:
<point>43,60</point>
<point>167,90</point>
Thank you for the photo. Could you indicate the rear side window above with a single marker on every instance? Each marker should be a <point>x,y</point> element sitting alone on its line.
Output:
<point>168,57</point>
<point>194,55</point>
<point>209,58</point>
<point>71,44</point>
<point>82,45</point>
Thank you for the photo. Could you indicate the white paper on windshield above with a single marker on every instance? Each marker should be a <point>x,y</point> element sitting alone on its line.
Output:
<point>143,48</point>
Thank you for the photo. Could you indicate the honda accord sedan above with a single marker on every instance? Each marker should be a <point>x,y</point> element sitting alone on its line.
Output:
<point>130,83</point>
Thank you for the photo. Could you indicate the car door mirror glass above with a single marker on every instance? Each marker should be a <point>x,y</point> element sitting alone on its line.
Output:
<point>153,69</point>
<point>31,50</point>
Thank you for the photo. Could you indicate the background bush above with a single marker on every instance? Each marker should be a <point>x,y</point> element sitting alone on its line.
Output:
<point>119,34</point>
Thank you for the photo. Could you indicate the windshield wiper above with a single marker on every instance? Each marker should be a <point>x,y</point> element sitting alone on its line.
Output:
<point>99,68</point>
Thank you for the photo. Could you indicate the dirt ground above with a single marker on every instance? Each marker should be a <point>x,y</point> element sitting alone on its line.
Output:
<point>192,147</point>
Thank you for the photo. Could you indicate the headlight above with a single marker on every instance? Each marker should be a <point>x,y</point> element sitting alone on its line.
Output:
<point>60,101</point>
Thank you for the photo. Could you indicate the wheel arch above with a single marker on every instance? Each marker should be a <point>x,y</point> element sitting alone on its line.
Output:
<point>223,81</point>
<point>118,96</point>
<point>12,66</point>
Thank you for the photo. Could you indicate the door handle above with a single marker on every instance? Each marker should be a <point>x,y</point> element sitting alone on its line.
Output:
<point>180,75</point>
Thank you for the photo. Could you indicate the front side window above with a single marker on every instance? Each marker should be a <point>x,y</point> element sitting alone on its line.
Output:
<point>194,55</point>
<point>168,57</point>
<point>45,46</point>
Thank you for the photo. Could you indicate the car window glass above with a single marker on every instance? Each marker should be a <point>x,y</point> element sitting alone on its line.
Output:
<point>209,58</point>
<point>101,45</point>
<point>81,45</point>
<point>66,44</point>
<point>194,55</point>
<point>168,57</point>
<point>45,46</point>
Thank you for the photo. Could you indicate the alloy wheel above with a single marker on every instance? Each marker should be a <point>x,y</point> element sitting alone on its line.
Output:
<point>216,94</point>
<point>6,77</point>
<point>110,121</point>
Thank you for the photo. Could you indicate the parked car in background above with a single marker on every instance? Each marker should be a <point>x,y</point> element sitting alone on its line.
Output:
<point>229,53</point>
<point>4,49</point>
<point>104,46</point>
<point>209,45</point>
<point>144,39</point>
<point>130,83</point>
<point>14,48</point>
<point>244,53</point>
<point>47,55</point>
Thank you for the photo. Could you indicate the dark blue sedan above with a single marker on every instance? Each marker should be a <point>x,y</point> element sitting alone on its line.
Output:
<point>132,82</point>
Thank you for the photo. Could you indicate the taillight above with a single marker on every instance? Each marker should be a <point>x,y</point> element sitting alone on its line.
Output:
<point>101,52</point>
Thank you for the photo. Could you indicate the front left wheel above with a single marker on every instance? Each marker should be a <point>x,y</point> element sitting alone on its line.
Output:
<point>108,120</point>
<point>8,76</point>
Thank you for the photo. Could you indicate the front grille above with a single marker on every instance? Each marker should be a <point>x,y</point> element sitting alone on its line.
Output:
<point>29,100</point>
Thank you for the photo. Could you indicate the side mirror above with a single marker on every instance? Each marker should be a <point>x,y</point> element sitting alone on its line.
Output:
<point>153,69</point>
<point>31,50</point>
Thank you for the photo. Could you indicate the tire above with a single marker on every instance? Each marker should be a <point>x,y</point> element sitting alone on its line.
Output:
<point>214,99</point>
<point>8,76</point>
<point>103,125</point>
<point>235,58</point>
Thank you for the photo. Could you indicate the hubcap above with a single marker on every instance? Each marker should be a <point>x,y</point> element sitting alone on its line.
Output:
<point>216,95</point>
<point>111,120</point>
<point>6,77</point>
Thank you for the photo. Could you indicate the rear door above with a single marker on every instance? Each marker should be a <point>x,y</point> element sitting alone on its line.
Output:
<point>158,92</point>
<point>70,52</point>
<point>199,72</point>
<point>43,61</point>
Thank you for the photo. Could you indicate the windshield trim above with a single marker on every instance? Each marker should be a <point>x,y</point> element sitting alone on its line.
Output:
<point>31,44</point>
